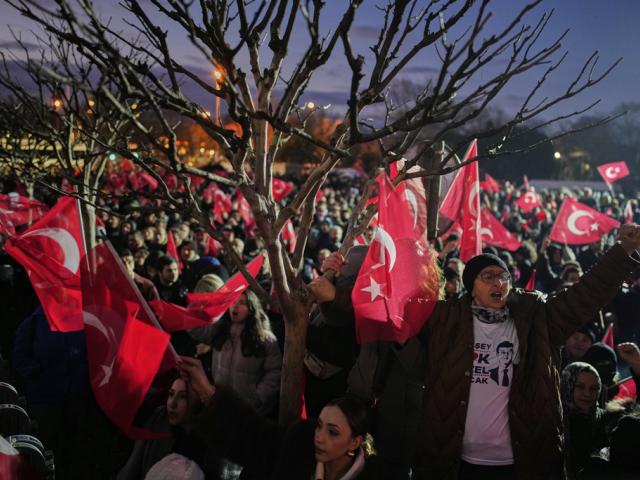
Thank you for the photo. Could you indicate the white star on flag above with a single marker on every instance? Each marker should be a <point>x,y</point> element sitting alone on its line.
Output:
<point>374,289</point>
<point>594,227</point>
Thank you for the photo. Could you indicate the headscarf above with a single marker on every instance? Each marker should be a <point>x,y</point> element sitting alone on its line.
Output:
<point>568,383</point>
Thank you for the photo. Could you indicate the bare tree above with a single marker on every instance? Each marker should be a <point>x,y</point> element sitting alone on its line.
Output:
<point>261,99</point>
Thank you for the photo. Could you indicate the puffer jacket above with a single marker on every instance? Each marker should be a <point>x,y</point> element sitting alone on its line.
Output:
<point>256,379</point>
<point>535,418</point>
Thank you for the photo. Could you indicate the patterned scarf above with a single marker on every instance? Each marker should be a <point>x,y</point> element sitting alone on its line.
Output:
<point>489,315</point>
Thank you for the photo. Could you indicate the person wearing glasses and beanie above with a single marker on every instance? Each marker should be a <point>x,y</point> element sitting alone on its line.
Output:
<point>482,423</point>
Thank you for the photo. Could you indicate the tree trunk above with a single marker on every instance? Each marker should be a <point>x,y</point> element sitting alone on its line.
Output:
<point>296,318</point>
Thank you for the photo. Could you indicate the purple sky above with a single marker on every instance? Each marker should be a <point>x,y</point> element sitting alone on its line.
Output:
<point>610,27</point>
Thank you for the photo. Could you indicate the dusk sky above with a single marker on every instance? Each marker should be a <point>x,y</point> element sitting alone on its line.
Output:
<point>610,27</point>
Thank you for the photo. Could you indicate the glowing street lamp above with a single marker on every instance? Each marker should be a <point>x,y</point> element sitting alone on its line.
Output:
<point>57,103</point>
<point>311,105</point>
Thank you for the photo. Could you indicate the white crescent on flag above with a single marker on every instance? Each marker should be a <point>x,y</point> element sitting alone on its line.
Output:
<point>612,172</point>
<point>573,218</point>
<point>94,321</point>
<point>386,242</point>
<point>67,244</point>
<point>472,199</point>
<point>486,232</point>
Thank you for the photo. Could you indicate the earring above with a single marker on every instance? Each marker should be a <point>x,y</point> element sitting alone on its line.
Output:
<point>351,453</point>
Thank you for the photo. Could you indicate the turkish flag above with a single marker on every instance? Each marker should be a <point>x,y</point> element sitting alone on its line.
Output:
<point>612,172</point>
<point>627,389</point>
<point>175,318</point>
<point>528,201</point>
<point>172,249</point>
<point>628,212</point>
<point>531,283</point>
<point>462,204</point>
<point>245,209</point>
<point>221,204</point>
<point>490,184</point>
<point>494,233</point>
<point>147,180</point>
<point>578,224</point>
<point>415,195</point>
<point>607,338</point>
<point>17,210</point>
<point>211,305</point>
<point>280,188</point>
<point>51,251</point>
<point>126,348</point>
<point>288,235</point>
<point>13,465</point>
<point>397,285</point>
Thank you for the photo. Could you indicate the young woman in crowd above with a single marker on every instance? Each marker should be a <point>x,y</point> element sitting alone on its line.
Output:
<point>335,447</point>
<point>245,356</point>
<point>584,421</point>
<point>196,459</point>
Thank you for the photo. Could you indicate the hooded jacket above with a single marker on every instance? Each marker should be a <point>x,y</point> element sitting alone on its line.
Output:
<point>535,416</point>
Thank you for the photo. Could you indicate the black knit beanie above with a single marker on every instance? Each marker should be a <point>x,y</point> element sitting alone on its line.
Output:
<point>476,265</point>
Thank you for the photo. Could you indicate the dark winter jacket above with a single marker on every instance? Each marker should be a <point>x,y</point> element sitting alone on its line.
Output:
<point>146,453</point>
<point>248,439</point>
<point>535,418</point>
<point>52,364</point>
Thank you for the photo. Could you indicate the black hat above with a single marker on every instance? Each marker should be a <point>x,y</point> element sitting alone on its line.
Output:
<point>476,265</point>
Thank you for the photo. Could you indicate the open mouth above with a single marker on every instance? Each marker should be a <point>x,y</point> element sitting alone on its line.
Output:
<point>496,296</point>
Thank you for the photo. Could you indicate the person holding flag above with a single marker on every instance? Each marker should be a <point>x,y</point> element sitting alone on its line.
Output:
<point>472,426</point>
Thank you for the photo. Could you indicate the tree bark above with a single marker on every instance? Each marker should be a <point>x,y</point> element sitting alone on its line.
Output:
<point>296,314</point>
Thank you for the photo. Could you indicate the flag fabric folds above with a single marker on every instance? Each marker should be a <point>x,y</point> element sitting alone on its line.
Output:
<point>494,233</point>
<point>126,348</point>
<point>212,305</point>
<point>578,224</point>
<point>396,288</point>
<point>51,251</point>
<point>462,204</point>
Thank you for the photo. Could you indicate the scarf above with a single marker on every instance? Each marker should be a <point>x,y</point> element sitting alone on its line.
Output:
<point>489,315</point>
<point>353,472</point>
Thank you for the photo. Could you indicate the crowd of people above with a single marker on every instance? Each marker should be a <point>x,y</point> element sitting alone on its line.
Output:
<point>506,380</point>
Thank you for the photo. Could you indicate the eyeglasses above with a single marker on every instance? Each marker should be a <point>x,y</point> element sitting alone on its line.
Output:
<point>490,277</point>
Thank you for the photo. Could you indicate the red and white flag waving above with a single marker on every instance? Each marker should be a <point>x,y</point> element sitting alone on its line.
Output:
<point>415,195</point>
<point>396,288</point>
<point>494,233</point>
<point>490,184</point>
<point>51,251</point>
<point>578,224</point>
<point>211,305</point>
<point>280,188</point>
<point>17,210</point>
<point>528,200</point>
<point>612,172</point>
<point>126,348</point>
<point>462,204</point>
<point>628,212</point>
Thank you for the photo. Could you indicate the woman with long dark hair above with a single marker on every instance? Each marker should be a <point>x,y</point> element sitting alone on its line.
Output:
<point>245,354</point>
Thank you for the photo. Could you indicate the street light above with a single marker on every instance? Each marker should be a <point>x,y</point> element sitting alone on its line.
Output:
<point>57,103</point>
<point>557,155</point>
<point>311,105</point>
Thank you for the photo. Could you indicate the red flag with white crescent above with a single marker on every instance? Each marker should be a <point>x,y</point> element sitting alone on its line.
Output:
<point>494,233</point>
<point>280,188</point>
<point>126,348</point>
<point>628,212</point>
<point>612,172</point>
<point>528,201</point>
<point>490,184</point>
<point>51,251</point>
<point>396,288</point>
<point>578,224</point>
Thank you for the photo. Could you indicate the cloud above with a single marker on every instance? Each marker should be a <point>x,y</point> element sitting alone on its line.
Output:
<point>420,69</point>
<point>15,45</point>
<point>365,32</point>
